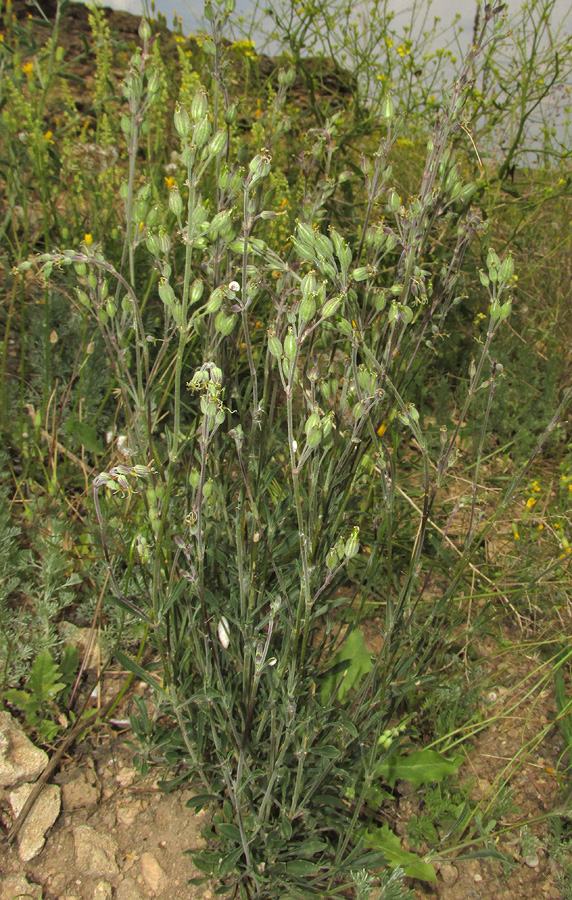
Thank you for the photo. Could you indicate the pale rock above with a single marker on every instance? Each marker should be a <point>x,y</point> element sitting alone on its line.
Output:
<point>44,812</point>
<point>449,874</point>
<point>154,876</point>
<point>95,853</point>
<point>126,815</point>
<point>20,760</point>
<point>102,891</point>
<point>125,776</point>
<point>12,887</point>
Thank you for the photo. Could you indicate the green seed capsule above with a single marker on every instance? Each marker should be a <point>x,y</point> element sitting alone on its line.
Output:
<point>196,291</point>
<point>111,308</point>
<point>506,270</point>
<point>331,306</point>
<point>201,132</point>
<point>313,421</point>
<point>199,106</point>
<point>309,284</point>
<point>314,437</point>
<point>331,559</point>
<point>290,346</point>
<point>152,244</point>
<point>214,302</point>
<point>182,121</point>
<point>393,201</point>
<point>175,202</point>
<point>275,346</point>
<point>166,292</point>
<point>307,309</point>
<point>218,143</point>
<point>352,544</point>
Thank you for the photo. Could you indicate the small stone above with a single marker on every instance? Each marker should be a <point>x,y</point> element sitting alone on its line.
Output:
<point>531,861</point>
<point>95,853</point>
<point>154,876</point>
<point>449,874</point>
<point>102,891</point>
<point>477,878</point>
<point>16,886</point>
<point>20,760</point>
<point>44,812</point>
<point>126,815</point>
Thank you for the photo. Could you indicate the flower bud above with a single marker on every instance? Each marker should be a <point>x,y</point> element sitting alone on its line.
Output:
<point>144,30</point>
<point>259,167</point>
<point>223,632</point>
<point>387,108</point>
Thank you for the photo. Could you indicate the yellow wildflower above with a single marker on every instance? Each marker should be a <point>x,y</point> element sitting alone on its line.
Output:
<point>28,68</point>
<point>530,502</point>
<point>170,182</point>
<point>48,137</point>
<point>88,239</point>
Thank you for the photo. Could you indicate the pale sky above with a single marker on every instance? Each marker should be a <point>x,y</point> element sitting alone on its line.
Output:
<point>191,10</point>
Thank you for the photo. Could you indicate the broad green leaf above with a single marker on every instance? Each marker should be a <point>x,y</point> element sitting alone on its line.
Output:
<point>301,868</point>
<point>86,435</point>
<point>385,840</point>
<point>197,802</point>
<point>358,661</point>
<point>229,831</point>
<point>419,767</point>
<point>308,848</point>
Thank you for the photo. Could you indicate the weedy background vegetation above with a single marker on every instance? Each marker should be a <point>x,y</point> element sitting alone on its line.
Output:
<point>285,351</point>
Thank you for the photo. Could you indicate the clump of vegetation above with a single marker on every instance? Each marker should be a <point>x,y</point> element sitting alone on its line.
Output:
<point>258,402</point>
